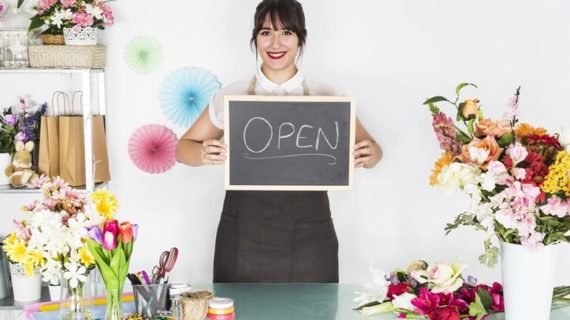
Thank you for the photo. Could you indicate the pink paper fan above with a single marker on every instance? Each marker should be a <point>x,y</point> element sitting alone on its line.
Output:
<point>151,148</point>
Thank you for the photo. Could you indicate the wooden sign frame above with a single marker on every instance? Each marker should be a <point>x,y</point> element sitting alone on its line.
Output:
<point>254,98</point>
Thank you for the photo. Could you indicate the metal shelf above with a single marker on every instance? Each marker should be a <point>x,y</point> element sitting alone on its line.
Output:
<point>48,71</point>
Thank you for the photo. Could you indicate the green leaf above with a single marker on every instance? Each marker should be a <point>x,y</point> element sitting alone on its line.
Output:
<point>107,273</point>
<point>435,99</point>
<point>369,304</point>
<point>506,139</point>
<point>463,137</point>
<point>476,308</point>
<point>463,85</point>
<point>35,22</point>
<point>20,2</point>
<point>485,297</point>
<point>470,127</point>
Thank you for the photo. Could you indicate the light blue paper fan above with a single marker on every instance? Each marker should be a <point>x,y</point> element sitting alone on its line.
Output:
<point>185,93</point>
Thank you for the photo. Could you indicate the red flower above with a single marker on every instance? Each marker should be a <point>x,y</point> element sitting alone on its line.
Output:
<point>447,313</point>
<point>426,302</point>
<point>543,140</point>
<point>535,169</point>
<point>397,289</point>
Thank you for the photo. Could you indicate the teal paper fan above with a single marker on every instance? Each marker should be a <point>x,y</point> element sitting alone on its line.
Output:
<point>143,54</point>
<point>185,93</point>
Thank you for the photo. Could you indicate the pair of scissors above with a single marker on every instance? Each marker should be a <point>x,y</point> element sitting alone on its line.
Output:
<point>165,264</point>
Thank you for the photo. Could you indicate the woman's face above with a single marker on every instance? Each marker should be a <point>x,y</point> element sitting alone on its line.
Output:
<point>277,47</point>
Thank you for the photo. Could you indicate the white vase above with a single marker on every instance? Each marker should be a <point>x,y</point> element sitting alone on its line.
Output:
<point>55,292</point>
<point>5,160</point>
<point>528,280</point>
<point>84,37</point>
<point>26,288</point>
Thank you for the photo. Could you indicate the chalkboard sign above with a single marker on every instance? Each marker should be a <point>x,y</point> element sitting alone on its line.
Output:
<point>289,142</point>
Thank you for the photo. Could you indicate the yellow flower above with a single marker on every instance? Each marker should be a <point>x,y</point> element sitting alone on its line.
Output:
<point>17,252</point>
<point>11,239</point>
<point>445,160</point>
<point>85,257</point>
<point>29,266</point>
<point>37,258</point>
<point>525,129</point>
<point>105,203</point>
<point>557,179</point>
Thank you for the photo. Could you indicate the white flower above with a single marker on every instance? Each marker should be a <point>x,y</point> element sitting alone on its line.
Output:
<point>564,137</point>
<point>375,291</point>
<point>478,155</point>
<point>95,11</point>
<point>404,301</point>
<point>59,16</point>
<point>75,273</point>
<point>488,181</point>
<point>517,152</point>
<point>445,277</point>
<point>51,272</point>
<point>458,177</point>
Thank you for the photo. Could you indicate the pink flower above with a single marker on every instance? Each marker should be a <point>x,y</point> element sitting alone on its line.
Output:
<point>45,4</point>
<point>107,14</point>
<point>67,3</point>
<point>110,233</point>
<point>556,207</point>
<point>426,302</point>
<point>517,152</point>
<point>533,240</point>
<point>82,19</point>
<point>446,134</point>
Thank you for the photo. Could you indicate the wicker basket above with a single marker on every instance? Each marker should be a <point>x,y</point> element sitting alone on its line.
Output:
<point>68,56</point>
<point>53,39</point>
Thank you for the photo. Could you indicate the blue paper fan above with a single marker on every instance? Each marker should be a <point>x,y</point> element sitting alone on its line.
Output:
<point>185,93</point>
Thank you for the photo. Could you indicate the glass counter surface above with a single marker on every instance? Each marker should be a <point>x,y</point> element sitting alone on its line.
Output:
<point>295,301</point>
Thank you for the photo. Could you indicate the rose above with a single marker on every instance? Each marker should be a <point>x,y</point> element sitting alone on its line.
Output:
<point>445,277</point>
<point>488,127</point>
<point>481,152</point>
<point>469,108</point>
<point>417,265</point>
<point>458,177</point>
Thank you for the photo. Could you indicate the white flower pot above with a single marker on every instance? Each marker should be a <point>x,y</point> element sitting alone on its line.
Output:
<point>26,288</point>
<point>55,292</point>
<point>5,160</point>
<point>84,37</point>
<point>528,280</point>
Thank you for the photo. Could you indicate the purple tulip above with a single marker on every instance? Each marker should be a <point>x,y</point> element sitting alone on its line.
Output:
<point>135,231</point>
<point>95,233</point>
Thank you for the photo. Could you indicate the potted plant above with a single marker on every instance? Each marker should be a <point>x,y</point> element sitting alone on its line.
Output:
<point>8,123</point>
<point>74,22</point>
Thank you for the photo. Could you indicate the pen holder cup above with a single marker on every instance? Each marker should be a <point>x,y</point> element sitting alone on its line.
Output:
<point>150,298</point>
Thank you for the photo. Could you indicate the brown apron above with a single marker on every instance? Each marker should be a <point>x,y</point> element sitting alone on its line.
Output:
<point>276,236</point>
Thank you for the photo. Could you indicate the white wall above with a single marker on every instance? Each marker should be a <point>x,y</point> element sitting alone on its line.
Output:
<point>390,55</point>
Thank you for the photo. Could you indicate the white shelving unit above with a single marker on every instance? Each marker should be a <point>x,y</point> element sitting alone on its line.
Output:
<point>88,78</point>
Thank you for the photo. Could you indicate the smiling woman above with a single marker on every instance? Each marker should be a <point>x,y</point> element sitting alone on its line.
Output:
<point>273,236</point>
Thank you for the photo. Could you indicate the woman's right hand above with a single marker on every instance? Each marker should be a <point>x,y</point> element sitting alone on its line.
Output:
<point>213,152</point>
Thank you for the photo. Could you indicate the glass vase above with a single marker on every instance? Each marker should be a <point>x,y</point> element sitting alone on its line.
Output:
<point>75,302</point>
<point>113,311</point>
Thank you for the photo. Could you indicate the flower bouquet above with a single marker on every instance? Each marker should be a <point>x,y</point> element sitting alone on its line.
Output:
<point>434,292</point>
<point>20,123</point>
<point>112,246</point>
<point>515,175</point>
<point>517,179</point>
<point>52,236</point>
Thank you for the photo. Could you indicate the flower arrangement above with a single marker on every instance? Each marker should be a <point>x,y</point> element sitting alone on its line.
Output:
<point>20,123</point>
<point>53,233</point>
<point>112,246</point>
<point>76,14</point>
<point>436,292</point>
<point>515,174</point>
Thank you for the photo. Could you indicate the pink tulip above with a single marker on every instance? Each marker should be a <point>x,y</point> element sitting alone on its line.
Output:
<point>110,233</point>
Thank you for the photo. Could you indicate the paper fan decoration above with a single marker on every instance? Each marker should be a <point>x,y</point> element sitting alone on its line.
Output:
<point>185,93</point>
<point>143,54</point>
<point>151,148</point>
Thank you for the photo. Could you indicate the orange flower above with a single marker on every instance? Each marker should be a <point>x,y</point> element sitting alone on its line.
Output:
<point>488,127</point>
<point>525,129</point>
<point>445,160</point>
<point>470,108</point>
<point>486,150</point>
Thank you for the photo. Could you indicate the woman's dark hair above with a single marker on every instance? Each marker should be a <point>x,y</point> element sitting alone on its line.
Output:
<point>287,12</point>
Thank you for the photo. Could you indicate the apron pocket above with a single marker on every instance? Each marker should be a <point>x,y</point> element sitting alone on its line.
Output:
<point>226,247</point>
<point>316,252</point>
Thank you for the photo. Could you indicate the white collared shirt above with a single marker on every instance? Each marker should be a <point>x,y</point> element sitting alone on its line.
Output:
<point>265,87</point>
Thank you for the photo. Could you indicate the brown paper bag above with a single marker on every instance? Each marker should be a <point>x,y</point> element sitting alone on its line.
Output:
<point>72,149</point>
<point>48,162</point>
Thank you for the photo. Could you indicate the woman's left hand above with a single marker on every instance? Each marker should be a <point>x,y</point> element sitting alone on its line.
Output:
<point>366,154</point>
